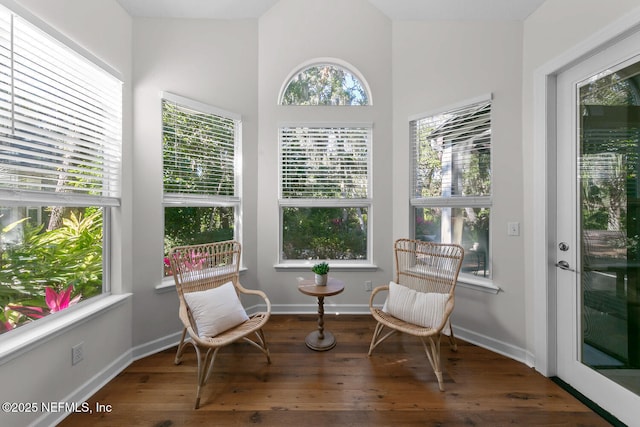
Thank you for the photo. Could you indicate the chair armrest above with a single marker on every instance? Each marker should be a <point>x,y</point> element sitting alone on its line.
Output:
<point>375,291</point>
<point>448,309</point>
<point>259,293</point>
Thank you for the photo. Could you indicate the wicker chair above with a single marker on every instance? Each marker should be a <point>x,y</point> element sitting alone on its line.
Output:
<point>425,267</point>
<point>204,267</point>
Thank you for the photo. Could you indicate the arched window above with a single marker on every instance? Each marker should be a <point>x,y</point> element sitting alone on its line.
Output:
<point>325,168</point>
<point>325,83</point>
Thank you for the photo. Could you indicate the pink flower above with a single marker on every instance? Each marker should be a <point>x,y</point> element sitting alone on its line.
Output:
<point>29,311</point>
<point>195,261</point>
<point>59,301</point>
<point>5,326</point>
<point>55,302</point>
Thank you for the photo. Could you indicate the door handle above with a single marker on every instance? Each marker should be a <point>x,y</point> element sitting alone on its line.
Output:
<point>564,265</point>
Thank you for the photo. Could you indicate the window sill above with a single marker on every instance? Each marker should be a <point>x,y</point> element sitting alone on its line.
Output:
<point>28,337</point>
<point>477,283</point>
<point>167,285</point>
<point>334,267</point>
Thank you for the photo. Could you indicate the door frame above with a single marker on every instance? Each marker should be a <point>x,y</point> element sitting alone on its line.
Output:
<point>543,224</point>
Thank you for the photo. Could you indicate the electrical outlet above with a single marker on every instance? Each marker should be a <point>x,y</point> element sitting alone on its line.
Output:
<point>368,286</point>
<point>513,229</point>
<point>77,353</point>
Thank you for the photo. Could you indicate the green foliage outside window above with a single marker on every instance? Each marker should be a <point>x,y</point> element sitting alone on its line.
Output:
<point>324,233</point>
<point>324,85</point>
<point>43,271</point>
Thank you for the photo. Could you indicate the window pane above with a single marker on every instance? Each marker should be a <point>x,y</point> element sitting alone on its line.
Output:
<point>50,259</point>
<point>324,84</point>
<point>324,162</point>
<point>452,154</point>
<point>467,227</point>
<point>198,151</point>
<point>324,233</point>
<point>187,225</point>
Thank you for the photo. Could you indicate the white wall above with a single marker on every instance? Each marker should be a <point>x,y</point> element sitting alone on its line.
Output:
<point>44,373</point>
<point>557,27</point>
<point>291,33</point>
<point>435,65</point>
<point>214,62</point>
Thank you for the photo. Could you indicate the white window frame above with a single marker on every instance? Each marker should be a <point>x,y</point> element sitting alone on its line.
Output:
<point>204,200</point>
<point>107,191</point>
<point>364,202</point>
<point>448,201</point>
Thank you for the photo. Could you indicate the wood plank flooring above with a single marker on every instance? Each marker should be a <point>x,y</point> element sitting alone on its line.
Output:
<point>340,387</point>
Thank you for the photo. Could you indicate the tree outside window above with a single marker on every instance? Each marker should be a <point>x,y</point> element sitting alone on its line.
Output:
<point>325,84</point>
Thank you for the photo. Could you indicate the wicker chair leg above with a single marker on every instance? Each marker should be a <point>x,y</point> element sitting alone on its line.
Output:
<point>452,341</point>
<point>180,351</point>
<point>432,349</point>
<point>376,333</point>
<point>205,367</point>
<point>377,339</point>
<point>263,345</point>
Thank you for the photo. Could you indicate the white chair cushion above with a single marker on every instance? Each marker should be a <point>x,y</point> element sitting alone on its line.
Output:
<point>216,310</point>
<point>419,308</point>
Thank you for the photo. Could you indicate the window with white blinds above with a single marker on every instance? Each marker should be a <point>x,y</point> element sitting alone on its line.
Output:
<point>451,185</point>
<point>201,174</point>
<point>60,118</point>
<point>60,169</point>
<point>199,154</point>
<point>452,155</point>
<point>325,193</point>
<point>325,162</point>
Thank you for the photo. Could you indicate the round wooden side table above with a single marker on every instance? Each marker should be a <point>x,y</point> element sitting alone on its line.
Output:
<point>321,340</point>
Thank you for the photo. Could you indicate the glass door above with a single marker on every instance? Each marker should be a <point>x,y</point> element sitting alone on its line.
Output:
<point>608,165</point>
<point>598,228</point>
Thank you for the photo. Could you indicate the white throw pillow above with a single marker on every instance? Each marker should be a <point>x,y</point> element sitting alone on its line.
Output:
<point>216,310</point>
<point>419,308</point>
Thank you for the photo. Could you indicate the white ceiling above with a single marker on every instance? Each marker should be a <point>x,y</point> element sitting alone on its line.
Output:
<point>432,10</point>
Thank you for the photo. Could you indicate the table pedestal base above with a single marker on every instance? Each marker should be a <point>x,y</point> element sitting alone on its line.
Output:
<point>314,342</point>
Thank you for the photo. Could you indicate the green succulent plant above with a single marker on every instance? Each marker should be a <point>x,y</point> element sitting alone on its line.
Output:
<point>320,268</point>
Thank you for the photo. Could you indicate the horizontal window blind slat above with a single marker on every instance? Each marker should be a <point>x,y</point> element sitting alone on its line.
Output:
<point>177,199</point>
<point>325,203</point>
<point>452,202</point>
<point>18,197</point>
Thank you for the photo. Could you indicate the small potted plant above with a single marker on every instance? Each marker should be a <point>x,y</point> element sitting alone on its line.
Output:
<point>321,271</point>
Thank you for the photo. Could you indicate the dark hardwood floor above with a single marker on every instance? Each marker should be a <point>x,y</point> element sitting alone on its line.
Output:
<point>340,387</point>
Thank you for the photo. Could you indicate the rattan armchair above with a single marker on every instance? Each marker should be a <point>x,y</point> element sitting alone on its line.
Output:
<point>428,269</point>
<point>204,267</point>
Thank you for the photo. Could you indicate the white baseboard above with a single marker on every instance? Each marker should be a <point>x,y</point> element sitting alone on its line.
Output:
<point>155,346</point>
<point>508,350</point>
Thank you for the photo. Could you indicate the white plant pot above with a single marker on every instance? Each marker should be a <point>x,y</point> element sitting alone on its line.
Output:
<point>321,279</point>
